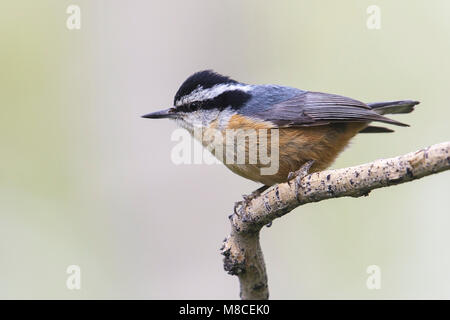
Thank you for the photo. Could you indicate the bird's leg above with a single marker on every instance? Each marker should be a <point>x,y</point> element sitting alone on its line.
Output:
<point>247,198</point>
<point>300,174</point>
<point>297,175</point>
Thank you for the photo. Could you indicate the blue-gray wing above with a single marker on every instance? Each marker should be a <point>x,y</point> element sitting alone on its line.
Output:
<point>316,108</point>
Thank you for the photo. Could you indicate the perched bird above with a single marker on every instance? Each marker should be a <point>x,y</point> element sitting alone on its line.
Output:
<point>312,127</point>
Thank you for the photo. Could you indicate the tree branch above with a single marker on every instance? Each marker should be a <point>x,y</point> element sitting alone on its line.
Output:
<point>241,249</point>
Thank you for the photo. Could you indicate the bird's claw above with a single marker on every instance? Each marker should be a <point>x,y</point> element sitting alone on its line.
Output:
<point>236,206</point>
<point>241,205</point>
<point>247,198</point>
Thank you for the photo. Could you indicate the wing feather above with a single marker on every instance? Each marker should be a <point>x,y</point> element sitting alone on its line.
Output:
<point>316,108</point>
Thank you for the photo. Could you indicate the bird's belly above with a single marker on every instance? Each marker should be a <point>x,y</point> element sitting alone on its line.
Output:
<point>299,145</point>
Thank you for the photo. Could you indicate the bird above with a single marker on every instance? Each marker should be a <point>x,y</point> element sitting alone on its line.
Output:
<point>313,128</point>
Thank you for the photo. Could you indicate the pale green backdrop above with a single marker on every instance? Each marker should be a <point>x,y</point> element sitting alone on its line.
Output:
<point>85,181</point>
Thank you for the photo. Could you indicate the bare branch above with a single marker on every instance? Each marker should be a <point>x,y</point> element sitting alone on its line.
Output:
<point>242,251</point>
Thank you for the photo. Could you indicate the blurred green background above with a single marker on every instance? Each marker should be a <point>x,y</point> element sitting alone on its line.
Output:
<point>85,181</point>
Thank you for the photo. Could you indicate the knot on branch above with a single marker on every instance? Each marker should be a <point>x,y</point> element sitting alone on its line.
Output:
<point>234,258</point>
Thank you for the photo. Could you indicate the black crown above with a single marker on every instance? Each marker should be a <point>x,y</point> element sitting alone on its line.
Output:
<point>206,79</point>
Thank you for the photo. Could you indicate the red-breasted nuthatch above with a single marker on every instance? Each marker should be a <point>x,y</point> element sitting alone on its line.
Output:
<point>310,125</point>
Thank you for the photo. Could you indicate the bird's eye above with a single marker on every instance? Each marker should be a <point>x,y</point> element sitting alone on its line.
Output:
<point>194,106</point>
<point>189,107</point>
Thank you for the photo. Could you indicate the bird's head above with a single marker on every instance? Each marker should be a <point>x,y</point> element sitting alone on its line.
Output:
<point>202,97</point>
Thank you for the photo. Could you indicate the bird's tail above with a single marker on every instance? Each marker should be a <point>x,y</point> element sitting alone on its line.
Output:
<point>389,107</point>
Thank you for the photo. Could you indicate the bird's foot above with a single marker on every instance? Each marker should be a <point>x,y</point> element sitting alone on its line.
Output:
<point>241,205</point>
<point>298,175</point>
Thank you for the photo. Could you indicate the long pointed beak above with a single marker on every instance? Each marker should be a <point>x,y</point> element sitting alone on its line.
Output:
<point>160,114</point>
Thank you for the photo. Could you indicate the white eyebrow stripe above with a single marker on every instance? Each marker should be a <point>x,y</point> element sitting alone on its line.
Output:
<point>201,94</point>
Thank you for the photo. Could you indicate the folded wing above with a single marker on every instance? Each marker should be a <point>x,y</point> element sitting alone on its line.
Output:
<point>316,108</point>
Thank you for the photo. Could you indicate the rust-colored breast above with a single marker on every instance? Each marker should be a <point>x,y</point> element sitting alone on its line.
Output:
<point>297,145</point>
<point>241,122</point>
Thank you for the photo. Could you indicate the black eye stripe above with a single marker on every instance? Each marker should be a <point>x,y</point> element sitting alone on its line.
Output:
<point>189,107</point>
<point>233,98</point>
